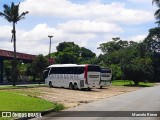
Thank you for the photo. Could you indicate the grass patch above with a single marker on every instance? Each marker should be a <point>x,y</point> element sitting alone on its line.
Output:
<point>21,86</point>
<point>10,101</point>
<point>26,92</point>
<point>22,99</point>
<point>131,83</point>
<point>5,118</point>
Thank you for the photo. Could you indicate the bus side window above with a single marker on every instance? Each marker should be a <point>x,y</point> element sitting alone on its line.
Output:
<point>52,71</point>
<point>64,70</point>
<point>71,70</point>
<point>57,70</point>
<point>74,70</point>
<point>68,70</point>
<point>60,70</point>
<point>80,70</point>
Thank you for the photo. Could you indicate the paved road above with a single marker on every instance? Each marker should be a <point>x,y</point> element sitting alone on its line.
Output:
<point>145,99</point>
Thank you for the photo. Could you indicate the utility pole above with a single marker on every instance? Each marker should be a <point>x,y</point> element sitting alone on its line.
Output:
<point>50,36</point>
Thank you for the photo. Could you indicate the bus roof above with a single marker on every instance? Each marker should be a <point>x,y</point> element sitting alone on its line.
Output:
<point>68,65</point>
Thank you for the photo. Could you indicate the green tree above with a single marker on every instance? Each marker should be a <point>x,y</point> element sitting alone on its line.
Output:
<point>140,69</point>
<point>67,46</point>
<point>69,52</point>
<point>11,14</point>
<point>38,66</point>
<point>66,57</point>
<point>157,12</point>
<point>87,56</point>
<point>116,71</point>
<point>153,43</point>
<point>7,70</point>
<point>114,45</point>
<point>137,64</point>
<point>153,39</point>
<point>128,60</point>
<point>86,53</point>
<point>114,54</point>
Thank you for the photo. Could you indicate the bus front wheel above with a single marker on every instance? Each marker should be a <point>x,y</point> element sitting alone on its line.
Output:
<point>50,84</point>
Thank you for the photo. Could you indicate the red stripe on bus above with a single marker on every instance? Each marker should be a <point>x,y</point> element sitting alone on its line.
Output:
<point>85,74</point>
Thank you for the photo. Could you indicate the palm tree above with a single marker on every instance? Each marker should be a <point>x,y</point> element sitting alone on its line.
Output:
<point>11,14</point>
<point>157,13</point>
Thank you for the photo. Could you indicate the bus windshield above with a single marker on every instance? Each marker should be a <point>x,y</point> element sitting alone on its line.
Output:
<point>45,74</point>
<point>94,68</point>
<point>105,70</point>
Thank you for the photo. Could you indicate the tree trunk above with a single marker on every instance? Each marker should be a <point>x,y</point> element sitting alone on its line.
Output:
<point>14,60</point>
<point>136,83</point>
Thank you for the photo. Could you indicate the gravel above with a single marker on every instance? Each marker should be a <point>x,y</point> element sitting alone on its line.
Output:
<point>72,98</point>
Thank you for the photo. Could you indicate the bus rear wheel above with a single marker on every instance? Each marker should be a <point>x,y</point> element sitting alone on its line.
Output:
<point>89,89</point>
<point>71,87</point>
<point>75,86</point>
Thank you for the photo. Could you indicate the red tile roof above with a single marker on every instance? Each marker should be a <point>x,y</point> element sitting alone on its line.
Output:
<point>21,56</point>
<point>10,54</point>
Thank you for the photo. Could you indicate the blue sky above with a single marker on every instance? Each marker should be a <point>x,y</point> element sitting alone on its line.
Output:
<point>88,23</point>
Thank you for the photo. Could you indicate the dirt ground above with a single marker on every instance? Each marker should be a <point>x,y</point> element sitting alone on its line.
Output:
<point>72,98</point>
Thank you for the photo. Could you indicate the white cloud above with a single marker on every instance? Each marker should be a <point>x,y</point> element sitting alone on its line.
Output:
<point>4,30</point>
<point>141,1</point>
<point>87,26</point>
<point>138,38</point>
<point>33,42</point>
<point>36,41</point>
<point>91,10</point>
<point>5,37</point>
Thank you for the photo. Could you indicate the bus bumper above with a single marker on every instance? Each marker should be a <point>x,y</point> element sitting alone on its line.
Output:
<point>91,86</point>
<point>105,83</point>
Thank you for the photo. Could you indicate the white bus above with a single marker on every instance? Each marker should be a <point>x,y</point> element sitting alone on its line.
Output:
<point>106,76</point>
<point>73,76</point>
